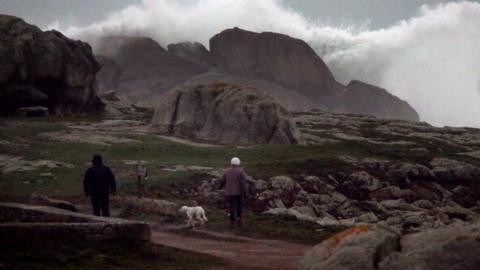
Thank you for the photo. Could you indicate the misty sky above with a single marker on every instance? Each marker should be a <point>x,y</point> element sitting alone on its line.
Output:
<point>372,13</point>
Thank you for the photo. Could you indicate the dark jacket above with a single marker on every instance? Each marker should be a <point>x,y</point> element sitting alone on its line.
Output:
<point>234,179</point>
<point>99,179</point>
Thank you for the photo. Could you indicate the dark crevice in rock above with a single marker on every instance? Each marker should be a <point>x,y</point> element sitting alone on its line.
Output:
<point>175,114</point>
<point>272,133</point>
<point>385,249</point>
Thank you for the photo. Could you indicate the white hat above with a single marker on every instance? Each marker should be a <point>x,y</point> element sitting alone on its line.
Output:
<point>235,161</point>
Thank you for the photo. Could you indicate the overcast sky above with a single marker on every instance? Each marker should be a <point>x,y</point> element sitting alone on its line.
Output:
<point>372,13</point>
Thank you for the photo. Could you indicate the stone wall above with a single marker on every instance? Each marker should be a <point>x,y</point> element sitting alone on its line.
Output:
<point>22,224</point>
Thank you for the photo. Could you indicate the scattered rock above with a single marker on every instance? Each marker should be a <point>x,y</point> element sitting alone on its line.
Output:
<point>453,170</point>
<point>134,205</point>
<point>10,164</point>
<point>85,137</point>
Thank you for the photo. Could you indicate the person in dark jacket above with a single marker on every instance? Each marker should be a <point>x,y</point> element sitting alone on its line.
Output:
<point>234,180</point>
<point>98,183</point>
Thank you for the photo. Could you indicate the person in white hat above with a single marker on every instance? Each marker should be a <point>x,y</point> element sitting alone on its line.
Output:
<point>234,181</point>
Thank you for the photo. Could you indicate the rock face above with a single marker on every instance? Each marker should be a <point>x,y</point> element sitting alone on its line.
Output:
<point>290,100</point>
<point>108,77</point>
<point>194,52</point>
<point>278,58</point>
<point>147,69</point>
<point>363,98</point>
<point>45,69</point>
<point>224,114</point>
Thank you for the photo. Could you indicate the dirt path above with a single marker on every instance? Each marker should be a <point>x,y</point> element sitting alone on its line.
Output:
<point>242,252</point>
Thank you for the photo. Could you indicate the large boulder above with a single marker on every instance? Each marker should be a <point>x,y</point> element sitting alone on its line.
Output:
<point>224,114</point>
<point>358,248</point>
<point>454,248</point>
<point>274,57</point>
<point>363,98</point>
<point>45,68</point>
<point>147,69</point>
<point>380,247</point>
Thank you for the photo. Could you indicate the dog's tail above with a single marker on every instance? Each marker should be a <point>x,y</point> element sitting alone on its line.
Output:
<point>204,217</point>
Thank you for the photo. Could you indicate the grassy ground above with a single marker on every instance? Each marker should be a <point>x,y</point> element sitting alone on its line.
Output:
<point>66,183</point>
<point>275,227</point>
<point>261,161</point>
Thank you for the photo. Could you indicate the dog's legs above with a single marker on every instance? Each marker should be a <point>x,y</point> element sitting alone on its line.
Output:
<point>190,221</point>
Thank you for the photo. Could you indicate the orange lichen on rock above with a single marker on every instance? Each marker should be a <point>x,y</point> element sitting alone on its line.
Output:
<point>334,241</point>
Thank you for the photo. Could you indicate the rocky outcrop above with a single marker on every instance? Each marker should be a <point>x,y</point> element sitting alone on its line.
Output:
<point>366,99</point>
<point>454,247</point>
<point>147,69</point>
<point>285,68</point>
<point>274,57</point>
<point>224,114</point>
<point>361,247</point>
<point>381,248</point>
<point>194,52</point>
<point>40,68</point>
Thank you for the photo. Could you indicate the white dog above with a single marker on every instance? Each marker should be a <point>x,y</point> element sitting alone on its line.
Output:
<point>195,213</point>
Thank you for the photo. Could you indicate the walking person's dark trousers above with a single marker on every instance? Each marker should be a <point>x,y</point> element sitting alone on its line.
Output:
<point>100,205</point>
<point>236,204</point>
